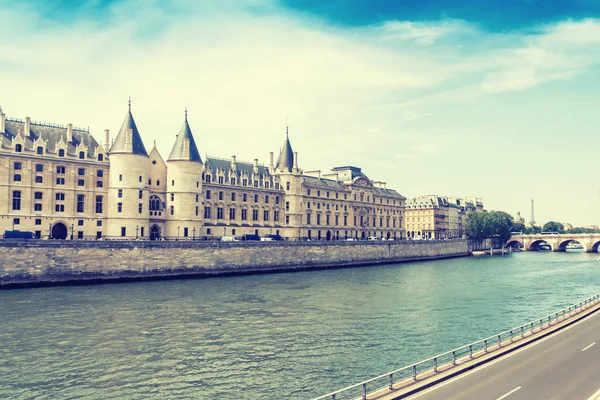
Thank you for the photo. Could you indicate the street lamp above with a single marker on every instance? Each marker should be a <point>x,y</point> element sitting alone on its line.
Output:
<point>194,233</point>
<point>49,231</point>
<point>137,228</point>
<point>13,224</point>
<point>178,232</point>
<point>72,227</point>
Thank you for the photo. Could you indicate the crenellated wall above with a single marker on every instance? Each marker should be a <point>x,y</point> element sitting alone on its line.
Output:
<point>28,263</point>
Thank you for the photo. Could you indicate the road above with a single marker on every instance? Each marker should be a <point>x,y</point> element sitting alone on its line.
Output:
<point>565,365</point>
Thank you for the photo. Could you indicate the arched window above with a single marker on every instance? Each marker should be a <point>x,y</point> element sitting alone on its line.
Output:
<point>155,203</point>
<point>40,150</point>
<point>18,148</point>
<point>61,153</point>
<point>81,155</point>
<point>100,157</point>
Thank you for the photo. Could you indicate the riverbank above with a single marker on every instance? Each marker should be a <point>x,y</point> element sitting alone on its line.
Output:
<point>42,263</point>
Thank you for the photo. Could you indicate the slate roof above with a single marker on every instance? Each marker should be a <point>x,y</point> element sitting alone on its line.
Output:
<point>215,164</point>
<point>51,135</point>
<point>285,160</point>
<point>314,182</point>
<point>137,145</point>
<point>177,152</point>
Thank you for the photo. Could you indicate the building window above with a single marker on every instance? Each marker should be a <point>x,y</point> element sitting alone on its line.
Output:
<point>139,208</point>
<point>173,182</point>
<point>318,219</point>
<point>266,184</point>
<point>266,215</point>
<point>172,210</point>
<point>140,179</point>
<point>207,213</point>
<point>232,180</point>
<point>60,181</point>
<point>17,166</point>
<point>287,186</point>
<point>318,193</point>
<point>18,148</point>
<point>140,194</point>
<point>99,184</point>
<point>81,182</point>
<point>81,155</point>
<point>208,194</point>
<point>244,182</point>
<point>327,219</point>
<point>123,231</point>
<point>16,200</point>
<point>80,222</point>
<point>197,198</point>
<point>98,223</point>
<point>79,234</point>
<point>80,171</point>
<point>185,231</point>
<point>308,191</point>
<point>345,220</point>
<point>37,207</point>
<point>17,221</point>
<point>154,203</point>
<point>232,213</point>
<point>40,150</point>
<point>17,177</point>
<point>120,178</point>
<point>80,203</point>
<point>256,198</point>
<point>59,208</point>
<point>60,197</point>
<point>197,210</point>
<point>244,197</point>
<point>276,216</point>
<point>39,167</point>
<point>38,221</point>
<point>232,196</point>
<point>208,231</point>
<point>61,153</point>
<point>219,212</point>
<point>276,199</point>
<point>267,199</point>
<point>120,193</point>
<point>327,194</point>
<point>287,219</point>
<point>254,215</point>
<point>233,232</point>
<point>220,195</point>
<point>100,157</point>
<point>119,207</point>
<point>287,206</point>
<point>255,184</point>
<point>38,195</point>
<point>172,196</point>
<point>221,179</point>
<point>244,214</point>
<point>157,182</point>
<point>99,205</point>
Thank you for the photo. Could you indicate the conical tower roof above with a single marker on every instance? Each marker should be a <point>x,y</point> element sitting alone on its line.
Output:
<point>123,144</point>
<point>285,161</point>
<point>185,146</point>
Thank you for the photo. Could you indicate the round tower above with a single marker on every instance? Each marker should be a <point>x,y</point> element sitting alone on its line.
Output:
<point>128,197</point>
<point>184,187</point>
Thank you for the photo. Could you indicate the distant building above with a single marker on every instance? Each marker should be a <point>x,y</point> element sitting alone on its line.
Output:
<point>567,226</point>
<point>439,217</point>
<point>519,219</point>
<point>594,227</point>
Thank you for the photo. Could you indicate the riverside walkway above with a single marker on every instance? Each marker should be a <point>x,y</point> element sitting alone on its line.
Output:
<point>555,357</point>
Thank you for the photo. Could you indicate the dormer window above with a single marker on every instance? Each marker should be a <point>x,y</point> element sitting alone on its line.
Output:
<point>18,148</point>
<point>40,150</point>
<point>61,153</point>
<point>100,157</point>
<point>81,155</point>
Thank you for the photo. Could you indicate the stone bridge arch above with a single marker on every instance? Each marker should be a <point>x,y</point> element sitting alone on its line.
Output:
<point>563,245</point>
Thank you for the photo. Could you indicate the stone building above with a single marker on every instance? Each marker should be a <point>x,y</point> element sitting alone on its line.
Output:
<point>57,181</point>
<point>439,217</point>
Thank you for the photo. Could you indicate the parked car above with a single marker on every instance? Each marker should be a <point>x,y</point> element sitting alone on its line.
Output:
<point>249,236</point>
<point>372,238</point>
<point>275,237</point>
<point>19,235</point>
<point>229,239</point>
<point>266,239</point>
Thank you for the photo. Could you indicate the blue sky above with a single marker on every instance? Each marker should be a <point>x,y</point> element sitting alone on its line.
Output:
<point>497,99</point>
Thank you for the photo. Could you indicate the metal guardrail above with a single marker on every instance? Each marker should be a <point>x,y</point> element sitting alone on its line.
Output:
<point>450,358</point>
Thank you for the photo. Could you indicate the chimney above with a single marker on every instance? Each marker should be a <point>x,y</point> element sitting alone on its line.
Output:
<point>106,139</point>
<point>271,165</point>
<point>296,160</point>
<point>69,133</point>
<point>255,165</point>
<point>383,185</point>
<point>233,163</point>
<point>3,122</point>
<point>27,131</point>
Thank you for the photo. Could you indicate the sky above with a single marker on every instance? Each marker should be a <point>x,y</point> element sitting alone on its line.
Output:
<point>497,99</point>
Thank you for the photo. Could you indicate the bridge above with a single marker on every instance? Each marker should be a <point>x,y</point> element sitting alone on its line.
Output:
<point>557,242</point>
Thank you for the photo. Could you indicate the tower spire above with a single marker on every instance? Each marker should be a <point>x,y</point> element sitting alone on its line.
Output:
<point>287,125</point>
<point>186,113</point>
<point>129,103</point>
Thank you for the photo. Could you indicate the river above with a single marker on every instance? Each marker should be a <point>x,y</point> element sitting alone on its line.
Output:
<point>275,336</point>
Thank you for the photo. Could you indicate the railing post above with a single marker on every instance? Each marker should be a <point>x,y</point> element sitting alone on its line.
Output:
<point>532,327</point>
<point>391,381</point>
<point>364,391</point>
<point>470,351</point>
<point>454,358</point>
<point>548,321</point>
<point>485,345</point>
<point>522,333</point>
<point>511,336</point>
<point>414,372</point>
<point>499,341</point>
<point>541,325</point>
<point>435,364</point>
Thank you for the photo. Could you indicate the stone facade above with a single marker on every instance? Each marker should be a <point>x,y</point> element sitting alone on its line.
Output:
<point>58,182</point>
<point>36,262</point>
<point>439,217</point>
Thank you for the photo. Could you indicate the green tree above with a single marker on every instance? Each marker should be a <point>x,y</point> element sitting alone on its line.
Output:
<point>476,226</point>
<point>519,227</point>
<point>553,226</point>
<point>533,230</point>
<point>500,225</point>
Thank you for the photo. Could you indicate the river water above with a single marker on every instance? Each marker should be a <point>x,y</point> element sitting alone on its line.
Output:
<point>279,336</point>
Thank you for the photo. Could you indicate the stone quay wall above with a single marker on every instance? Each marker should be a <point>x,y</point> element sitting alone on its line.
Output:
<point>48,262</point>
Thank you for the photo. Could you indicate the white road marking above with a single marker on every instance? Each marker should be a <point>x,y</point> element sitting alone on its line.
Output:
<point>588,346</point>
<point>595,396</point>
<point>509,393</point>
<point>504,357</point>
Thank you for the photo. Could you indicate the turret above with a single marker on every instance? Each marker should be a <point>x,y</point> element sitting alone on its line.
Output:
<point>285,161</point>
<point>184,186</point>
<point>2,121</point>
<point>128,195</point>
